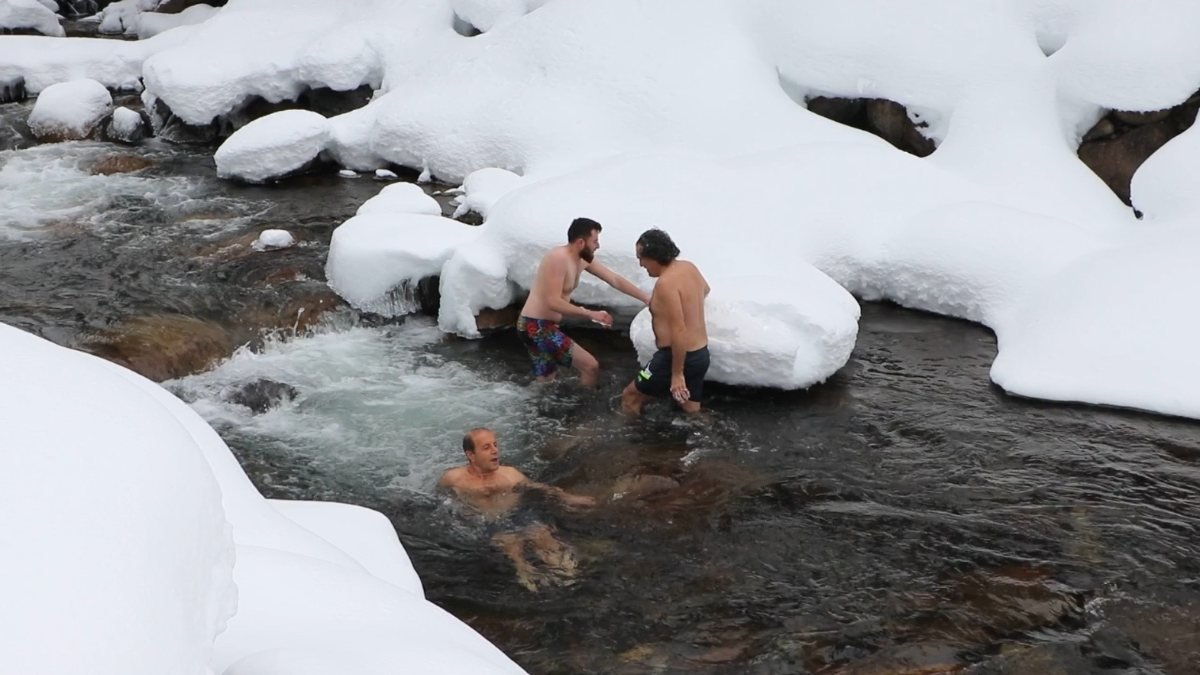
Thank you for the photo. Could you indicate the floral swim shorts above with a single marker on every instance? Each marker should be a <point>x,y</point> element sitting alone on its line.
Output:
<point>548,346</point>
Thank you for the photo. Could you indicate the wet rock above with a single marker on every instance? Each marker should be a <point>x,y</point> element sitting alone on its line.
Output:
<point>170,127</point>
<point>119,164</point>
<point>910,659</point>
<point>640,486</point>
<point>1053,659</point>
<point>262,395</point>
<point>1138,119</point>
<point>163,346</point>
<point>12,90</point>
<point>489,320</point>
<point>1165,632</point>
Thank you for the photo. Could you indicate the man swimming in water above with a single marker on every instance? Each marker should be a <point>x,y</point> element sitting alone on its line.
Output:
<point>495,492</point>
<point>550,299</point>
<point>677,316</point>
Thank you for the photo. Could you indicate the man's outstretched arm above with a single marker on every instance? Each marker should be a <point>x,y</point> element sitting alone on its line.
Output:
<point>618,282</point>
<point>561,494</point>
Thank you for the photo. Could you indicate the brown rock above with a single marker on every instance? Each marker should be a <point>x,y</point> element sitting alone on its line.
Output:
<point>1101,130</point>
<point>1138,119</point>
<point>911,659</point>
<point>489,320</point>
<point>889,120</point>
<point>848,111</point>
<point>1115,160</point>
<point>163,346</point>
<point>119,164</point>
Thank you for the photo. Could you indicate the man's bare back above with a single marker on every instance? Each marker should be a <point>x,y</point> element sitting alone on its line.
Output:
<point>677,307</point>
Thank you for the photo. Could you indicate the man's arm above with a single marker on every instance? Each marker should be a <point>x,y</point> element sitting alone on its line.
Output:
<point>551,278</point>
<point>562,495</point>
<point>672,307</point>
<point>618,282</point>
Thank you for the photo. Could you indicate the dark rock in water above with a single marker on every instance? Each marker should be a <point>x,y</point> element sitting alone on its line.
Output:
<point>262,395</point>
<point>168,126</point>
<point>13,90</point>
<point>162,346</point>
<point>81,7</point>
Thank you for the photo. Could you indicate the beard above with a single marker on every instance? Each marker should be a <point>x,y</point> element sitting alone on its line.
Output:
<point>587,254</point>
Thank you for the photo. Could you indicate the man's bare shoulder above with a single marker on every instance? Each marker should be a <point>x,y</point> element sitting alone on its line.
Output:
<point>453,477</point>
<point>512,475</point>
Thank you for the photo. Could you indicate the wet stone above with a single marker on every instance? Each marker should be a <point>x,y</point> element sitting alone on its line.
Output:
<point>163,346</point>
<point>262,395</point>
<point>114,164</point>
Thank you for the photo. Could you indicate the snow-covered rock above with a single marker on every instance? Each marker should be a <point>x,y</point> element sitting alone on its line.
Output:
<point>125,126</point>
<point>121,17</point>
<point>273,147</point>
<point>485,187</point>
<point>401,198</point>
<point>69,110</point>
<point>376,254</point>
<point>37,15</point>
<point>270,240</point>
<point>150,24</point>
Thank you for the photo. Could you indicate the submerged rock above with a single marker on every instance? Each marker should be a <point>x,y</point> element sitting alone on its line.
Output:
<point>12,90</point>
<point>262,395</point>
<point>119,164</point>
<point>162,346</point>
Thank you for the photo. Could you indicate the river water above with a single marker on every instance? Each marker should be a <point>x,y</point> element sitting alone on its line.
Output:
<point>904,517</point>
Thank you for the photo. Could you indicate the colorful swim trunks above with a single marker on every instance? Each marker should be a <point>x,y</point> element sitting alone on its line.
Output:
<point>548,346</point>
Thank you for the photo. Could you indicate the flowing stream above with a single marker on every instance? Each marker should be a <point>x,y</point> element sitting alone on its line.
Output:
<point>904,517</point>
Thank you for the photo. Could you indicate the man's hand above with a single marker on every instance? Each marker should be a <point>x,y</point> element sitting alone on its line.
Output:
<point>679,390</point>
<point>601,317</point>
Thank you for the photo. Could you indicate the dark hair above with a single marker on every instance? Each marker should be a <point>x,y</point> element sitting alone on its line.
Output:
<point>582,228</point>
<point>469,438</point>
<point>657,246</point>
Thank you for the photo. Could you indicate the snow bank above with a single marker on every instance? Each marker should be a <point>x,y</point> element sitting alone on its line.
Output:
<point>273,146</point>
<point>1115,328</point>
<point>1166,186</point>
<point>122,16</point>
<point>374,256</point>
<point>113,525</point>
<point>159,505</point>
<point>69,110</point>
<point>31,15</point>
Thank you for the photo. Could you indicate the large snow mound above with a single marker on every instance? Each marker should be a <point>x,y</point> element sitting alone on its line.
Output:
<point>150,24</point>
<point>161,510</point>
<point>113,525</point>
<point>69,110</point>
<point>273,146</point>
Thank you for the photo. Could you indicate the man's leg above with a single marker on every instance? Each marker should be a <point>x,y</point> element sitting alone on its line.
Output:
<point>556,554</point>
<point>512,545</point>
<point>586,364</point>
<point>632,400</point>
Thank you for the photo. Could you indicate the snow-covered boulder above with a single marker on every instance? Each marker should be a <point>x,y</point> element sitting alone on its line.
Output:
<point>69,111</point>
<point>113,524</point>
<point>762,332</point>
<point>125,126</point>
<point>375,259</point>
<point>271,240</point>
<point>35,15</point>
<point>273,147</point>
<point>121,17</point>
<point>1166,186</point>
<point>482,188</point>
<point>401,198</point>
<point>150,24</point>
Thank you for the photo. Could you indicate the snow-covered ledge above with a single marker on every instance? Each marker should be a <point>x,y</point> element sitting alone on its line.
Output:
<point>129,526</point>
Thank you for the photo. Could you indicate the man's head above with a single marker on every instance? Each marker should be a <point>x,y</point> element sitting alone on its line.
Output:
<point>655,250</point>
<point>584,236</point>
<point>482,450</point>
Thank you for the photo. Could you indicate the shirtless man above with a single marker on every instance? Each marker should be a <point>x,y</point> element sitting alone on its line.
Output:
<point>495,491</point>
<point>550,300</point>
<point>677,316</point>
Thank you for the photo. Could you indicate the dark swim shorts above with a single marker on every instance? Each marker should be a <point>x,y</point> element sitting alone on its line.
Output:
<point>548,346</point>
<point>655,378</point>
